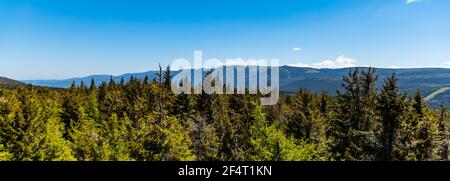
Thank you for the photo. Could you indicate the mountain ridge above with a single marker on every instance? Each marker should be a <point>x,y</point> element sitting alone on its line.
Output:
<point>425,80</point>
<point>7,82</point>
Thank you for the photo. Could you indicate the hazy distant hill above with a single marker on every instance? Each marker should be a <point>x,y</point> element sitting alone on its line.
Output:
<point>65,83</point>
<point>5,82</point>
<point>426,80</point>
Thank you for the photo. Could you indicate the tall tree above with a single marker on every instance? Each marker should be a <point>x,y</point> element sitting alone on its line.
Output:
<point>115,133</point>
<point>391,109</point>
<point>52,145</point>
<point>174,141</point>
<point>4,154</point>
<point>303,116</point>
<point>353,134</point>
<point>443,132</point>
<point>270,144</point>
<point>167,78</point>
<point>224,127</point>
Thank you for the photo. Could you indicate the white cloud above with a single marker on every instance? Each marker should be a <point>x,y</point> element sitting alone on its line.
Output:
<point>393,67</point>
<point>446,64</point>
<point>248,62</point>
<point>413,1</point>
<point>298,65</point>
<point>340,62</point>
<point>345,62</point>
<point>297,49</point>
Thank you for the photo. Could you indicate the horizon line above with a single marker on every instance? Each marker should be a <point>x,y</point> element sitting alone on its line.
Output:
<point>122,74</point>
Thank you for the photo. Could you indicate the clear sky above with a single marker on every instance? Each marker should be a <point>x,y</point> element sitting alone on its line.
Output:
<point>55,39</point>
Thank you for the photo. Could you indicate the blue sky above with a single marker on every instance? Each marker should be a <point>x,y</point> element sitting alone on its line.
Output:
<point>54,39</point>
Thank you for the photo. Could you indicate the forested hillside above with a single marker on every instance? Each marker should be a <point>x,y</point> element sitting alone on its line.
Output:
<point>5,82</point>
<point>426,80</point>
<point>143,120</point>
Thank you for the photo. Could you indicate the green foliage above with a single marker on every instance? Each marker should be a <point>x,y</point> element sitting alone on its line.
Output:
<point>206,143</point>
<point>87,141</point>
<point>5,155</point>
<point>31,128</point>
<point>143,120</point>
<point>355,127</point>
<point>174,141</point>
<point>53,147</point>
<point>271,144</point>
<point>392,109</point>
<point>115,133</point>
<point>224,127</point>
<point>442,122</point>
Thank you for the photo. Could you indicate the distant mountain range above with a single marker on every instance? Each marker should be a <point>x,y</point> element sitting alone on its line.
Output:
<point>426,80</point>
<point>5,82</point>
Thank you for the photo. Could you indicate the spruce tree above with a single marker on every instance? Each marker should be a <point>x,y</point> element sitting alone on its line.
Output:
<point>205,141</point>
<point>354,128</point>
<point>221,120</point>
<point>443,133</point>
<point>115,133</point>
<point>302,121</point>
<point>174,142</point>
<point>52,145</point>
<point>92,86</point>
<point>391,110</point>
<point>73,108</point>
<point>167,78</point>
<point>418,104</point>
<point>88,143</point>
<point>270,144</point>
<point>5,155</point>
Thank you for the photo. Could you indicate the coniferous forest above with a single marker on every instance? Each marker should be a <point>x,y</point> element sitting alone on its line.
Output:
<point>143,120</point>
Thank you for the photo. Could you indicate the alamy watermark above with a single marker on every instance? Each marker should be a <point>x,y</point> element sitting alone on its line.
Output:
<point>252,77</point>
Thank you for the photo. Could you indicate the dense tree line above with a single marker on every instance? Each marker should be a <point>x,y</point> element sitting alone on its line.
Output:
<point>144,120</point>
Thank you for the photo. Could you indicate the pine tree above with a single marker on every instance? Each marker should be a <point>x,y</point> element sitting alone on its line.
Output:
<point>88,144</point>
<point>112,84</point>
<point>174,142</point>
<point>424,142</point>
<point>111,100</point>
<point>205,141</point>
<point>270,144</point>
<point>52,145</point>
<point>136,99</point>
<point>167,78</point>
<point>122,82</point>
<point>418,134</point>
<point>73,108</point>
<point>241,109</point>
<point>418,104</point>
<point>354,128</point>
<point>82,89</point>
<point>5,155</point>
<point>146,80</point>
<point>324,104</point>
<point>23,125</point>
<point>301,121</point>
<point>224,127</point>
<point>368,128</point>
<point>92,86</point>
<point>142,139</point>
<point>165,97</point>
<point>115,133</point>
<point>29,124</point>
<point>91,104</point>
<point>443,133</point>
<point>9,105</point>
<point>391,110</point>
